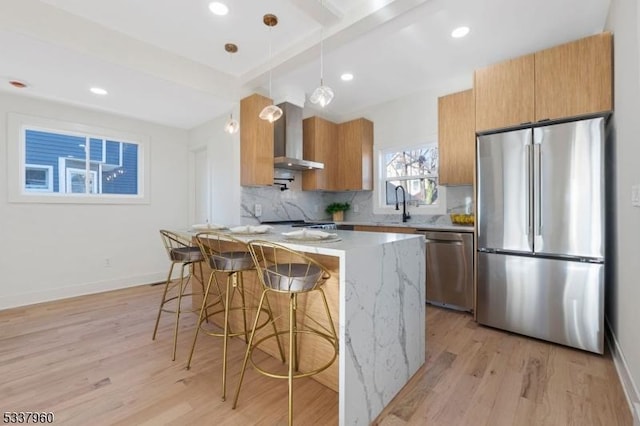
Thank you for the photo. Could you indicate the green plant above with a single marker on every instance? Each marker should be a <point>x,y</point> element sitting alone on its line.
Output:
<point>337,207</point>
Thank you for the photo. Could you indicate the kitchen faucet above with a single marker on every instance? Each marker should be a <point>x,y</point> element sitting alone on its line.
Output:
<point>405,214</point>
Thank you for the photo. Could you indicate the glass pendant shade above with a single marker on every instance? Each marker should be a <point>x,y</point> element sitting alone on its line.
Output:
<point>322,95</point>
<point>270,113</point>
<point>231,126</point>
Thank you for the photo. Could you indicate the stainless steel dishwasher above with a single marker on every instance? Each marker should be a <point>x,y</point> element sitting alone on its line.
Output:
<point>450,269</point>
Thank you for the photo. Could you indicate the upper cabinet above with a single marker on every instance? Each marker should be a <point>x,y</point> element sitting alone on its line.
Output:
<point>256,143</point>
<point>346,150</point>
<point>505,93</point>
<point>575,78</point>
<point>320,143</point>
<point>355,152</point>
<point>569,80</point>
<point>456,138</point>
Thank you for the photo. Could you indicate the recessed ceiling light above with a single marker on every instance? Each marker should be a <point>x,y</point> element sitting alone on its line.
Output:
<point>218,8</point>
<point>460,32</point>
<point>98,91</point>
<point>347,76</point>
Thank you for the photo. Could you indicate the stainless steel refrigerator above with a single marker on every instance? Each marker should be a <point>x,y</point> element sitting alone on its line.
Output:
<point>541,232</point>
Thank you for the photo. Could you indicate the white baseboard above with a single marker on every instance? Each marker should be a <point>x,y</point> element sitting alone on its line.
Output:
<point>14,301</point>
<point>628,385</point>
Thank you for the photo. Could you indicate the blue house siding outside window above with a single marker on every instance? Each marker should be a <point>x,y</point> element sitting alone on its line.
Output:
<point>57,162</point>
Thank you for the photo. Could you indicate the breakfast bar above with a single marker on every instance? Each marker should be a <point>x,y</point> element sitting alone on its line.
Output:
<point>376,296</point>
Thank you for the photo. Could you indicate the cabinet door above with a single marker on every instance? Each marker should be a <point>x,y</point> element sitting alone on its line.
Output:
<point>256,143</point>
<point>504,94</point>
<point>355,152</point>
<point>575,78</point>
<point>456,138</point>
<point>320,143</point>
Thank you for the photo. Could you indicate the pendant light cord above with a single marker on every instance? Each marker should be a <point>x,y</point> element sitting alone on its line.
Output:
<point>322,45</point>
<point>270,60</point>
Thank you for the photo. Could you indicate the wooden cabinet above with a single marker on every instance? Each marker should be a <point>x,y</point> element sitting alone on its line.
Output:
<point>374,228</point>
<point>355,152</point>
<point>504,94</point>
<point>574,78</point>
<point>320,143</point>
<point>456,138</point>
<point>346,150</point>
<point>256,143</point>
<point>568,80</point>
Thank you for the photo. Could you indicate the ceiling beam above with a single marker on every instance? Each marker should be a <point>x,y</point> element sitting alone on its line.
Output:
<point>324,13</point>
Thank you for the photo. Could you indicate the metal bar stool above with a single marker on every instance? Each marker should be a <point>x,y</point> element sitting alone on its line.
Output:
<point>227,255</point>
<point>181,252</point>
<point>287,272</point>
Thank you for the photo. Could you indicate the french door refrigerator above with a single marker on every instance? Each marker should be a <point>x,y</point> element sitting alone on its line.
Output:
<point>541,254</point>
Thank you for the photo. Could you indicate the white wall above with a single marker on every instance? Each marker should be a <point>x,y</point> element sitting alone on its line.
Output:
<point>411,119</point>
<point>53,251</point>
<point>623,293</point>
<point>224,167</point>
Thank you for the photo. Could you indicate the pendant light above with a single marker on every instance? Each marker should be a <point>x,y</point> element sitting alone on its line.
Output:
<point>323,94</point>
<point>231,126</point>
<point>271,112</point>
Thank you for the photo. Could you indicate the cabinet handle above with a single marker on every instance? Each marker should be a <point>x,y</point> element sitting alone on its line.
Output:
<point>543,120</point>
<point>450,242</point>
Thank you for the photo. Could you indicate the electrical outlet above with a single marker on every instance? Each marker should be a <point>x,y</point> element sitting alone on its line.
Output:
<point>356,208</point>
<point>107,262</point>
<point>257,210</point>
<point>635,195</point>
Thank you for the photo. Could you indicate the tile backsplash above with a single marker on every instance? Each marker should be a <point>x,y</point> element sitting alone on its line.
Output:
<point>295,204</point>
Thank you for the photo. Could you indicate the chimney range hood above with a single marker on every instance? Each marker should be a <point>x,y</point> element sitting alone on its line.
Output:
<point>287,144</point>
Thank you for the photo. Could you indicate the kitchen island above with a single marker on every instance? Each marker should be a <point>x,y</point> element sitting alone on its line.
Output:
<point>377,294</point>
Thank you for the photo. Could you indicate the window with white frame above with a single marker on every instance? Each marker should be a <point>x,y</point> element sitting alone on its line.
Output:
<point>38,178</point>
<point>415,169</point>
<point>66,162</point>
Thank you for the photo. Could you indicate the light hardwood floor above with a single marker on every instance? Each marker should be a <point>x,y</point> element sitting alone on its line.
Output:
<point>91,360</point>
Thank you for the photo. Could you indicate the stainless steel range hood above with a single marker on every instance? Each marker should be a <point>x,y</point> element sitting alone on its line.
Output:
<point>287,144</point>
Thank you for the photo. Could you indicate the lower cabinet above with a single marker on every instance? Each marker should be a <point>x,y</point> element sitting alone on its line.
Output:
<point>394,229</point>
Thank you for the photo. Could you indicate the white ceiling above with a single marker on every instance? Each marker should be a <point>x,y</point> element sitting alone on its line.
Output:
<point>164,60</point>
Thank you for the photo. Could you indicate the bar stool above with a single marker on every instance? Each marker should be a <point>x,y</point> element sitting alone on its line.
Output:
<point>287,272</point>
<point>226,255</point>
<point>181,252</point>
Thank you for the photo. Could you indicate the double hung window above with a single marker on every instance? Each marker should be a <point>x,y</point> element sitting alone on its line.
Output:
<point>415,169</point>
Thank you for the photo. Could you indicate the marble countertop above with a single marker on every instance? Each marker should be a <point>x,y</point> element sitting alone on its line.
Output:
<point>417,225</point>
<point>347,240</point>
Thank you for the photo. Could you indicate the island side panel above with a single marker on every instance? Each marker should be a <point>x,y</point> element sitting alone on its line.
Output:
<point>382,326</point>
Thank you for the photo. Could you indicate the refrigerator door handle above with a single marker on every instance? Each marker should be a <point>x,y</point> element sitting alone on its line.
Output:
<point>537,190</point>
<point>529,204</point>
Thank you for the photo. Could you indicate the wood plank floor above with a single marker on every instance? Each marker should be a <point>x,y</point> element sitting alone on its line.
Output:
<point>91,360</point>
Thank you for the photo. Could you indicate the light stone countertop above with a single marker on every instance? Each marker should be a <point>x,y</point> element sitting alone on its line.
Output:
<point>348,240</point>
<point>417,225</point>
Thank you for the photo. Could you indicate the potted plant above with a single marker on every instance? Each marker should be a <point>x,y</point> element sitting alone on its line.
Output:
<point>336,210</point>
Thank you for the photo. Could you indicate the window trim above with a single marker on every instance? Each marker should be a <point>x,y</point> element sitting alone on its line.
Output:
<point>48,169</point>
<point>379,202</point>
<point>17,124</point>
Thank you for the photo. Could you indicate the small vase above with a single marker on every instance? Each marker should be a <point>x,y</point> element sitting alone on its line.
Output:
<point>338,216</point>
